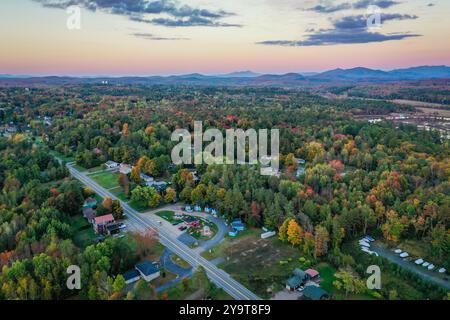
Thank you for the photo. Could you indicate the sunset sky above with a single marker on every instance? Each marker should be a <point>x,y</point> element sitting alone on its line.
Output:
<point>146,37</point>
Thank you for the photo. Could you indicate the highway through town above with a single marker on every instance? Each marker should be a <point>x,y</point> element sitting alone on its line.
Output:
<point>218,276</point>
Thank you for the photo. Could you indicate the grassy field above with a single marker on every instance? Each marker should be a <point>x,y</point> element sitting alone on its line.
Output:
<point>84,235</point>
<point>106,179</point>
<point>257,263</point>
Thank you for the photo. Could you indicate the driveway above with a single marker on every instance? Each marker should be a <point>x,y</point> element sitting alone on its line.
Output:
<point>420,271</point>
<point>167,263</point>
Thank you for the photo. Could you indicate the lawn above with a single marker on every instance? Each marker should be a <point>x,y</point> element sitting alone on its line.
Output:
<point>106,179</point>
<point>84,235</point>
<point>167,215</point>
<point>179,261</point>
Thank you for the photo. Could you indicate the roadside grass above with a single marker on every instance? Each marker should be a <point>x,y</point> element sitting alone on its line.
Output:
<point>106,179</point>
<point>161,280</point>
<point>167,215</point>
<point>61,156</point>
<point>84,235</point>
<point>179,261</point>
<point>138,206</point>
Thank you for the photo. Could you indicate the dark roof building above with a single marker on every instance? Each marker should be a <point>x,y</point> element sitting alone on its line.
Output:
<point>131,276</point>
<point>148,270</point>
<point>314,293</point>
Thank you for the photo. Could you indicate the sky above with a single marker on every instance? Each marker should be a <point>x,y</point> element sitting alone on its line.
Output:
<point>162,37</point>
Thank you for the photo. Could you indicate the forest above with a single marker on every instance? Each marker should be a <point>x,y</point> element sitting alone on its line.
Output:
<point>358,178</point>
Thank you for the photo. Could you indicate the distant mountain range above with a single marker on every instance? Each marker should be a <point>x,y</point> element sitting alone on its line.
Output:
<point>359,75</point>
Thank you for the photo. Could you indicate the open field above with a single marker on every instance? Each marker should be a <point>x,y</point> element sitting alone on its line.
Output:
<point>106,179</point>
<point>260,264</point>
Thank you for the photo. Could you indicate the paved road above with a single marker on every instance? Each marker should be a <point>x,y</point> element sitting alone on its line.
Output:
<point>169,265</point>
<point>420,271</point>
<point>166,237</point>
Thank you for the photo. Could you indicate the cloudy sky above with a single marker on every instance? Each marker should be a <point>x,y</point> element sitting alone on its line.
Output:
<point>143,37</point>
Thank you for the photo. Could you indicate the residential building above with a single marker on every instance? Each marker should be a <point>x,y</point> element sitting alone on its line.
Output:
<point>111,164</point>
<point>101,222</point>
<point>148,270</point>
<point>314,293</point>
<point>131,276</point>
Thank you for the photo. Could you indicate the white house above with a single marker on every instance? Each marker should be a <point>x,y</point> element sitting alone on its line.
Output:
<point>148,270</point>
<point>111,164</point>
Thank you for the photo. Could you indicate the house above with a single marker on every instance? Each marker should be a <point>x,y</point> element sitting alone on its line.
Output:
<point>214,212</point>
<point>312,274</point>
<point>131,276</point>
<point>125,168</point>
<point>314,293</point>
<point>115,228</point>
<point>298,279</point>
<point>188,208</point>
<point>158,185</point>
<point>197,208</point>
<point>238,225</point>
<point>90,203</point>
<point>148,270</point>
<point>301,162</point>
<point>111,164</point>
<point>293,283</point>
<point>89,214</point>
<point>101,222</point>
<point>233,233</point>
<point>146,178</point>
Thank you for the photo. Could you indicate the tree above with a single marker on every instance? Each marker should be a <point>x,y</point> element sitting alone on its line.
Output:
<point>117,210</point>
<point>294,233</point>
<point>346,280</point>
<point>125,130</point>
<point>124,183</point>
<point>170,195</point>
<point>135,175</point>
<point>119,284</point>
<point>146,196</point>
<point>282,232</point>
<point>321,239</point>
<point>107,203</point>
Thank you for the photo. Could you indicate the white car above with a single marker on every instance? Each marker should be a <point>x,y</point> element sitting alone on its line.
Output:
<point>418,261</point>
<point>425,264</point>
<point>431,267</point>
<point>441,270</point>
<point>404,255</point>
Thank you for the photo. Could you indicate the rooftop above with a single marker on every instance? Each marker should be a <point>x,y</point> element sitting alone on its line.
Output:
<point>103,219</point>
<point>147,267</point>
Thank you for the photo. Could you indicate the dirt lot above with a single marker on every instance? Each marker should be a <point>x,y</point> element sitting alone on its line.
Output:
<point>263,265</point>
